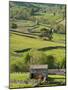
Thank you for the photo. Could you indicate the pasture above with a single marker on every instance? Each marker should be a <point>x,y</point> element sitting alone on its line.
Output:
<point>30,45</point>
<point>56,48</point>
<point>21,42</point>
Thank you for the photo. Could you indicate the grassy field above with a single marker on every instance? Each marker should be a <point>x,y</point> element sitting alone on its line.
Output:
<point>27,21</point>
<point>25,42</point>
<point>19,76</point>
<point>21,42</point>
<point>18,79</point>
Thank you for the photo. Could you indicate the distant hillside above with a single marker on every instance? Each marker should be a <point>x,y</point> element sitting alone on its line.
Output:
<point>34,5</point>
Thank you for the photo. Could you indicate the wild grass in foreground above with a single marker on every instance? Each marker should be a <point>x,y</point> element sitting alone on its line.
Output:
<point>22,80</point>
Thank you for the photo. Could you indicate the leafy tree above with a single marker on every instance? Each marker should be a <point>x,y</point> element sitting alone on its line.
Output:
<point>51,61</point>
<point>47,33</point>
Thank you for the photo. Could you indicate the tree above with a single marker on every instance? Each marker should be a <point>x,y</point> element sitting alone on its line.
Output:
<point>47,33</point>
<point>51,62</point>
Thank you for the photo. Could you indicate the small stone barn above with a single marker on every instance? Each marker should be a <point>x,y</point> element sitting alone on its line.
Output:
<point>39,71</point>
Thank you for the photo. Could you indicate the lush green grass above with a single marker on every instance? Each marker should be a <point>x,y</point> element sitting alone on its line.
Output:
<point>20,42</point>
<point>59,37</point>
<point>57,78</point>
<point>25,76</point>
<point>18,80</point>
<point>19,76</point>
<point>59,54</point>
<point>14,85</point>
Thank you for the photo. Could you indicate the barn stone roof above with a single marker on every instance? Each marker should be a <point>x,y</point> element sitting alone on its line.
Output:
<point>39,66</point>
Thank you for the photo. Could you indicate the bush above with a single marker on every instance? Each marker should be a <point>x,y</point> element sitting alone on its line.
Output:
<point>14,25</point>
<point>51,62</point>
<point>61,64</point>
<point>37,57</point>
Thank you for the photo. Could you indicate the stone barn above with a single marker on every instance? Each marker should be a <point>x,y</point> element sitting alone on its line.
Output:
<point>39,72</point>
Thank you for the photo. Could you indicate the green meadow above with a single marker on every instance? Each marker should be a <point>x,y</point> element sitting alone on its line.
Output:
<point>30,37</point>
<point>21,42</point>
